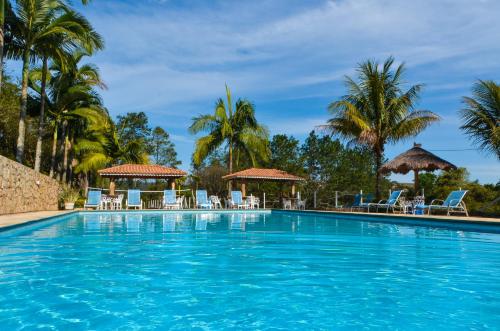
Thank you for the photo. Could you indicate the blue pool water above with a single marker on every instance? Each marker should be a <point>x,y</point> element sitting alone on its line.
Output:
<point>146,271</point>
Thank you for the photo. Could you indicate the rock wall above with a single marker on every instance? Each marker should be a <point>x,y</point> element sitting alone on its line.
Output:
<point>23,190</point>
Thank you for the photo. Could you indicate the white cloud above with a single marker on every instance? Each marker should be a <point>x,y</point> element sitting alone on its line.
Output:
<point>172,61</point>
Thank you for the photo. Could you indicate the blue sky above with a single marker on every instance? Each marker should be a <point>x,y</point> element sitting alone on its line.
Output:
<point>171,60</point>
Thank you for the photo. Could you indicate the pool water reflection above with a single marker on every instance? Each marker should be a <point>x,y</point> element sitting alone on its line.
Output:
<point>127,271</point>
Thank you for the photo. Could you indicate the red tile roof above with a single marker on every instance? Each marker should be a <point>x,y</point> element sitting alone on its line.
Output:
<point>265,174</point>
<point>142,171</point>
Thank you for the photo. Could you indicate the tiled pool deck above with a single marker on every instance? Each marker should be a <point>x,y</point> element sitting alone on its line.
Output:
<point>15,220</point>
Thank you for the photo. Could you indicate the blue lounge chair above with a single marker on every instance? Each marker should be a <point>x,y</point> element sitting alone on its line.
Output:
<point>202,200</point>
<point>454,203</point>
<point>366,201</point>
<point>170,200</point>
<point>390,203</point>
<point>356,203</point>
<point>93,200</point>
<point>237,200</point>
<point>134,199</point>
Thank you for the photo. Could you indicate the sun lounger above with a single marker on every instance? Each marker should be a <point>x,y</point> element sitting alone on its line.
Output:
<point>237,200</point>
<point>454,203</point>
<point>93,200</point>
<point>389,204</point>
<point>202,200</point>
<point>170,200</point>
<point>134,199</point>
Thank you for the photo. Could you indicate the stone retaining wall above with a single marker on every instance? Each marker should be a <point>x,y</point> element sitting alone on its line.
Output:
<point>23,190</point>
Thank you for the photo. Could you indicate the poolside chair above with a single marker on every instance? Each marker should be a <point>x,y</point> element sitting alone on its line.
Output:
<point>93,200</point>
<point>389,204</point>
<point>170,200</point>
<point>202,200</point>
<point>365,201</point>
<point>216,202</point>
<point>237,200</point>
<point>117,202</point>
<point>134,199</point>
<point>253,202</point>
<point>454,203</point>
<point>356,203</point>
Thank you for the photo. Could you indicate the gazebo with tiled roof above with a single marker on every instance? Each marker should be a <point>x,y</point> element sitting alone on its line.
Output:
<point>143,171</point>
<point>259,174</point>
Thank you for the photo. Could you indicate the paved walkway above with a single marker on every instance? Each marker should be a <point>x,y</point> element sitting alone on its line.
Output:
<point>10,220</point>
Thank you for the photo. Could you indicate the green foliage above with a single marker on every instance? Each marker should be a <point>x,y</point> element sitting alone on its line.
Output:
<point>285,154</point>
<point>234,126</point>
<point>163,149</point>
<point>133,127</point>
<point>481,116</point>
<point>69,194</point>
<point>9,110</point>
<point>378,110</point>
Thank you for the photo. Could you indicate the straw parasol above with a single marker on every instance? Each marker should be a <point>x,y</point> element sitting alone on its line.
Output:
<point>416,159</point>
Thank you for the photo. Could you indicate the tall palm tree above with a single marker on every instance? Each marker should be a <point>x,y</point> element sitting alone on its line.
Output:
<point>82,37</point>
<point>4,5</point>
<point>481,116</point>
<point>377,110</point>
<point>72,97</point>
<point>235,126</point>
<point>37,23</point>
<point>101,147</point>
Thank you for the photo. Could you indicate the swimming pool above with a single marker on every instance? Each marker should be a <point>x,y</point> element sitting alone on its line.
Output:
<point>245,270</point>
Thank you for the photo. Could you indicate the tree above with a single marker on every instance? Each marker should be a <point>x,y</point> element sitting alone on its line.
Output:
<point>481,116</point>
<point>285,154</point>
<point>37,25</point>
<point>234,126</point>
<point>134,127</point>
<point>72,99</point>
<point>162,149</point>
<point>2,42</point>
<point>377,110</point>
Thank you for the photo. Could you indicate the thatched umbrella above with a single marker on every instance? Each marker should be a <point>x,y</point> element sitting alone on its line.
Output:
<point>416,159</point>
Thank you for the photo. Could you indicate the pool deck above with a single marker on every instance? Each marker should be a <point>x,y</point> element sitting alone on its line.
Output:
<point>13,220</point>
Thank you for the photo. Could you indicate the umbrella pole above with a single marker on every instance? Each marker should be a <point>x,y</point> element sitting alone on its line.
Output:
<point>416,182</point>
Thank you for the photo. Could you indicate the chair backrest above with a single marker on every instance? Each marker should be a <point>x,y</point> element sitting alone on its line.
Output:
<point>134,197</point>
<point>368,198</point>
<point>394,197</point>
<point>214,199</point>
<point>237,197</point>
<point>454,198</point>
<point>201,197</point>
<point>169,197</point>
<point>94,197</point>
<point>357,200</point>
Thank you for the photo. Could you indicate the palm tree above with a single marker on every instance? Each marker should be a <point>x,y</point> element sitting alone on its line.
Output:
<point>4,5</point>
<point>235,126</point>
<point>377,110</point>
<point>72,98</point>
<point>481,116</point>
<point>38,23</point>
